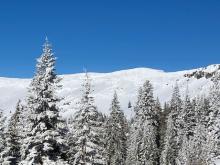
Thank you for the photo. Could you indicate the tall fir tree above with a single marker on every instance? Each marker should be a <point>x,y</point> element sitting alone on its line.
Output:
<point>45,144</point>
<point>186,131</point>
<point>173,132</point>
<point>145,135</point>
<point>86,139</point>
<point>134,135</point>
<point>11,154</point>
<point>116,129</point>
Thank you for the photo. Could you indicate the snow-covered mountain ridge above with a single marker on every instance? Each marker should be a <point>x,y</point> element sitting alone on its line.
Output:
<point>125,82</point>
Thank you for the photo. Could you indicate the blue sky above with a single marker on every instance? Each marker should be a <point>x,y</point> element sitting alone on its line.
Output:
<point>109,35</point>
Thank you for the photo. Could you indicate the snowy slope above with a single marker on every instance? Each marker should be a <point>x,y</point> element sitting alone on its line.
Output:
<point>125,82</point>
<point>217,162</point>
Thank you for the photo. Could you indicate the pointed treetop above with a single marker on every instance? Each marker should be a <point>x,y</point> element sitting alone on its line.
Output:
<point>46,39</point>
<point>84,70</point>
<point>176,98</point>
<point>115,97</point>
<point>87,77</point>
<point>176,88</point>
<point>47,46</point>
<point>87,84</point>
<point>115,107</point>
<point>115,94</point>
<point>86,74</point>
<point>129,104</point>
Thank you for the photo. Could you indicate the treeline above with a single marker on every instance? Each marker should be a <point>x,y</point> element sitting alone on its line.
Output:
<point>184,131</point>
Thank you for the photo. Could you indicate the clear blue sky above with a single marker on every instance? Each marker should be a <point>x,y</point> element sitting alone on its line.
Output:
<point>109,35</point>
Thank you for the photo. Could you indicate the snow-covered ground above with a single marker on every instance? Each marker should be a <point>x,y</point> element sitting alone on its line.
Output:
<point>217,162</point>
<point>125,82</point>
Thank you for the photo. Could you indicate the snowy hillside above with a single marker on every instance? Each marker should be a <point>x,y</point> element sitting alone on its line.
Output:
<point>125,82</point>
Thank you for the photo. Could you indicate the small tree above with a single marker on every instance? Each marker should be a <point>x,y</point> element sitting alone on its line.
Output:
<point>173,133</point>
<point>2,134</point>
<point>11,153</point>
<point>189,118</point>
<point>86,140</point>
<point>116,134</point>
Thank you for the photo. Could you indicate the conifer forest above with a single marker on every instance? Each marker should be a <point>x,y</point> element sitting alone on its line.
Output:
<point>181,131</point>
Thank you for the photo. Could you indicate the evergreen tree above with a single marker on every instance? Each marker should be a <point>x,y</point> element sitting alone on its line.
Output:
<point>116,134</point>
<point>144,135</point>
<point>163,119</point>
<point>24,126</point>
<point>45,144</point>
<point>202,111</point>
<point>186,152</point>
<point>129,104</point>
<point>196,146</point>
<point>213,120</point>
<point>86,140</point>
<point>11,153</point>
<point>173,132</point>
<point>189,118</point>
<point>200,137</point>
<point>2,134</point>
<point>161,115</point>
<point>134,135</point>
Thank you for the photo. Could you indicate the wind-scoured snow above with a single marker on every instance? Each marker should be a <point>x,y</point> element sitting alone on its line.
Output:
<point>125,82</point>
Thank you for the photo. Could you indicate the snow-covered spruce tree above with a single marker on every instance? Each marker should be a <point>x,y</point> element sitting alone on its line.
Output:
<point>129,105</point>
<point>196,147</point>
<point>24,125</point>
<point>86,139</point>
<point>161,115</point>
<point>203,139</point>
<point>116,129</point>
<point>2,134</point>
<point>11,154</point>
<point>201,144</point>
<point>214,116</point>
<point>158,108</point>
<point>189,118</point>
<point>202,111</point>
<point>163,118</point>
<point>186,153</point>
<point>21,122</point>
<point>173,132</point>
<point>149,122</point>
<point>144,136</point>
<point>45,144</point>
<point>134,135</point>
